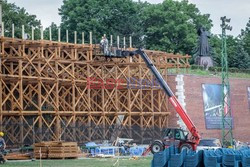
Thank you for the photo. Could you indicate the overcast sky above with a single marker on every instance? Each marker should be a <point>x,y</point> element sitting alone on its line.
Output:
<point>237,10</point>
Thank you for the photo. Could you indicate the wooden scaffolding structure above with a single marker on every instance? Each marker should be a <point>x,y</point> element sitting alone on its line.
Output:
<point>62,91</point>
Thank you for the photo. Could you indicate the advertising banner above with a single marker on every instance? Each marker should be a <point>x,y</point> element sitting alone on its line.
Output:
<point>212,99</point>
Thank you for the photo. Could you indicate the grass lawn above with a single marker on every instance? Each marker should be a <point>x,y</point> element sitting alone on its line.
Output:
<point>209,73</point>
<point>88,162</point>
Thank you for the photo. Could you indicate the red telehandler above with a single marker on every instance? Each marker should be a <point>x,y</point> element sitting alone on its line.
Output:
<point>174,136</point>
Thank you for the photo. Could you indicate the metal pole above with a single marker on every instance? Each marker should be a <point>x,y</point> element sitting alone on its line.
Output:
<point>227,124</point>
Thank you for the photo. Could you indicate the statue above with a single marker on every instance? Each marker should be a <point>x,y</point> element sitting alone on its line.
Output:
<point>204,50</point>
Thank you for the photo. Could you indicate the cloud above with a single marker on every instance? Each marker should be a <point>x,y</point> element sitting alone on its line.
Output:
<point>238,11</point>
<point>45,10</point>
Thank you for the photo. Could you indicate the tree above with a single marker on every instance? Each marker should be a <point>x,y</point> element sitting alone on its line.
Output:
<point>172,26</point>
<point>110,17</point>
<point>13,14</point>
<point>245,37</point>
<point>54,32</point>
<point>241,58</point>
<point>216,43</point>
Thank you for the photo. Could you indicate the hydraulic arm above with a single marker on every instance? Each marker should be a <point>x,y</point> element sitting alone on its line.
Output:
<point>173,100</point>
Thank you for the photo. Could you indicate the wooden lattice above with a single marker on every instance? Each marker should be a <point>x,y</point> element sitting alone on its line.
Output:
<point>60,91</point>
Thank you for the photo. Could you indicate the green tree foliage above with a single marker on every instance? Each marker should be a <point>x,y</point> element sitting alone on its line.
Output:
<point>216,44</point>
<point>110,17</point>
<point>172,26</point>
<point>54,32</point>
<point>13,14</point>
<point>232,43</point>
<point>241,59</point>
<point>245,36</point>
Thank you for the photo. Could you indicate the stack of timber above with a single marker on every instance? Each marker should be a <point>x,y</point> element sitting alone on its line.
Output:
<point>56,150</point>
<point>17,156</point>
<point>41,150</point>
<point>64,150</point>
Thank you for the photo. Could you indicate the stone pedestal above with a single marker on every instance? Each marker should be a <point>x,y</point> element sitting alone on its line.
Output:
<point>205,61</point>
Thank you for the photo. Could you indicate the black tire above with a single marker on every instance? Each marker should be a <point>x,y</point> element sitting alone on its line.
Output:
<point>156,147</point>
<point>186,146</point>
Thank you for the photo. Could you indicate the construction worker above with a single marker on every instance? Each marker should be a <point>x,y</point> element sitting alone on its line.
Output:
<point>2,148</point>
<point>104,45</point>
<point>2,142</point>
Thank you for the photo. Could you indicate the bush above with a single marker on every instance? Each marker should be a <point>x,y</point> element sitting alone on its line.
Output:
<point>195,67</point>
<point>214,69</point>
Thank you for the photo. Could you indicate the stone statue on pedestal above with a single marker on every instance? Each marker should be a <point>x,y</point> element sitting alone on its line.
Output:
<point>203,51</point>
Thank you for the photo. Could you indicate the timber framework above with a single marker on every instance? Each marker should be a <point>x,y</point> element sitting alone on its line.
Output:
<point>63,91</point>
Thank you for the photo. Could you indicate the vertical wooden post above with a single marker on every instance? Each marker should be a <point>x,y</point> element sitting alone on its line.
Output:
<point>124,42</point>
<point>118,42</point>
<point>129,103</point>
<point>74,100</point>
<point>40,121</point>
<point>41,32</point>
<point>89,104</point>
<point>130,42</point>
<point>111,40</point>
<point>13,31</point>
<point>2,32</point>
<point>67,36</point>
<point>50,34</point>
<point>59,34</point>
<point>90,38</point>
<point>57,114</point>
<point>22,32</point>
<point>75,37</point>
<point>32,33</point>
<point>83,38</point>
<point>20,66</point>
<point>140,100</point>
<point>103,106</point>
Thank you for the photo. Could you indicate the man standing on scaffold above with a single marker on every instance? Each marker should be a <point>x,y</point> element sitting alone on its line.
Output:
<point>104,45</point>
